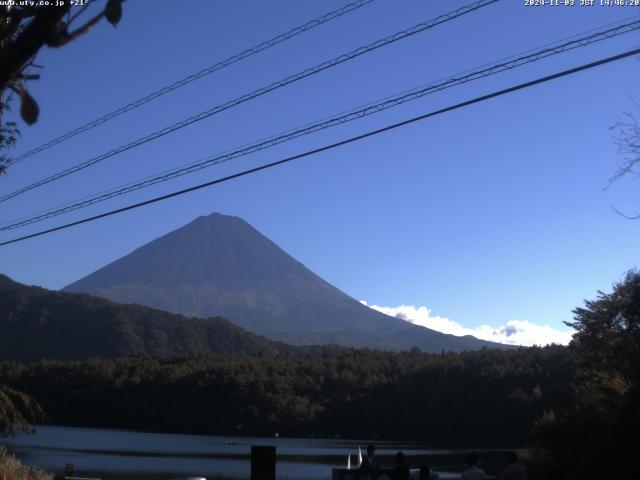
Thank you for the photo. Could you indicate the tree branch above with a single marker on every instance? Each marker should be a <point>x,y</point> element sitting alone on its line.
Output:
<point>40,31</point>
<point>628,217</point>
<point>65,38</point>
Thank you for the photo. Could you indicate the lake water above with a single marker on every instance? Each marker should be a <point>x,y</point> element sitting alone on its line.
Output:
<point>121,454</point>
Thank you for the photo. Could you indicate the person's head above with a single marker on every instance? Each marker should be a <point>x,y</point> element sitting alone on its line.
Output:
<point>472,459</point>
<point>371,449</point>
<point>400,458</point>
<point>512,457</point>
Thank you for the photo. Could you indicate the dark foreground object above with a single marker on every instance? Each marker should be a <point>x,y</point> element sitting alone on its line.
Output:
<point>263,462</point>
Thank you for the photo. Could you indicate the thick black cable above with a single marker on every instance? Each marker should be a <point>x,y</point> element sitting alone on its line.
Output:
<point>308,153</point>
<point>390,102</point>
<point>195,76</point>
<point>257,93</point>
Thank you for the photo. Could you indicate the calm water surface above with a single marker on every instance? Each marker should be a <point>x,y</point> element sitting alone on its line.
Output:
<point>126,454</point>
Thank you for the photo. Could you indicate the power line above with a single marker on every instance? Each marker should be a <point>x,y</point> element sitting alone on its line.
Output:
<point>390,102</point>
<point>261,91</point>
<point>363,136</point>
<point>195,76</point>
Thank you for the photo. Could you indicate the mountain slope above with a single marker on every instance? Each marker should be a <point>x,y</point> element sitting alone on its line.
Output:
<point>36,323</point>
<point>220,265</point>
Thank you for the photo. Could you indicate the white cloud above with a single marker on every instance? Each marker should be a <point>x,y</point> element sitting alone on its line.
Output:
<point>514,332</point>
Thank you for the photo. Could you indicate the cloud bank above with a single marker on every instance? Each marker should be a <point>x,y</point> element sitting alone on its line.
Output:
<point>514,332</point>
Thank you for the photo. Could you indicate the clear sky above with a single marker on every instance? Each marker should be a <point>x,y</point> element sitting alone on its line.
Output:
<point>486,215</point>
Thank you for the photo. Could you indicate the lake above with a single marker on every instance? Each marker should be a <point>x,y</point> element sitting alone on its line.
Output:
<point>122,454</point>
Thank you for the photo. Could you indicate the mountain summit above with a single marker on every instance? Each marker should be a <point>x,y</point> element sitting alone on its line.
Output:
<point>219,265</point>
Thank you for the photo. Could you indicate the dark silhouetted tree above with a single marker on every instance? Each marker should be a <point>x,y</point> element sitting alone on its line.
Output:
<point>598,436</point>
<point>24,30</point>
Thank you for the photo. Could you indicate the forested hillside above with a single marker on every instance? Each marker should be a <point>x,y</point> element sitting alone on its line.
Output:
<point>36,323</point>
<point>576,408</point>
<point>489,397</point>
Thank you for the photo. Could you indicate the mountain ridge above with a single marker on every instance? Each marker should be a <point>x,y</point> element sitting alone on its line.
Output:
<point>219,265</point>
<point>37,323</point>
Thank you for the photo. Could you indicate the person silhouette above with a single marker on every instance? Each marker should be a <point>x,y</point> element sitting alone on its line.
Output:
<point>400,471</point>
<point>514,470</point>
<point>472,472</point>
<point>370,463</point>
<point>427,474</point>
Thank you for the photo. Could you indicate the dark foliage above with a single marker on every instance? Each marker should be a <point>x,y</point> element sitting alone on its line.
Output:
<point>486,397</point>
<point>25,28</point>
<point>597,437</point>
<point>180,376</point>
<point>17,412</point>
<point>38,323</point>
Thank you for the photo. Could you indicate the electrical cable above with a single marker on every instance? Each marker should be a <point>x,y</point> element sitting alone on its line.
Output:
<point>389,102</point>
<point>308,153</point>
<point>195,76</point>
<point>261,91</point>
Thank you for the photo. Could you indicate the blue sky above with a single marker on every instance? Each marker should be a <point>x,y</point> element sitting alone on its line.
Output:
<point>485,215</point>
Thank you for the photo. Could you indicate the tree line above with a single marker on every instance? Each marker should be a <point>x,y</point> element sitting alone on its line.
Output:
<point>575,408</point>
<point>488,397</point>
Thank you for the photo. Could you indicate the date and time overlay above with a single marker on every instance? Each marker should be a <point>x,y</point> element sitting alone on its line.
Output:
<point>527,3</point>
<point>581,3</point>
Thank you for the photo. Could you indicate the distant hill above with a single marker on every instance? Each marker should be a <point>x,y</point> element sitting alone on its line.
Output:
<point>220,265</point>
<point>36,323</point>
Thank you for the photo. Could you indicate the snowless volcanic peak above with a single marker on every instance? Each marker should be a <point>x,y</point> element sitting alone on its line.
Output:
<point>219,265</point>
